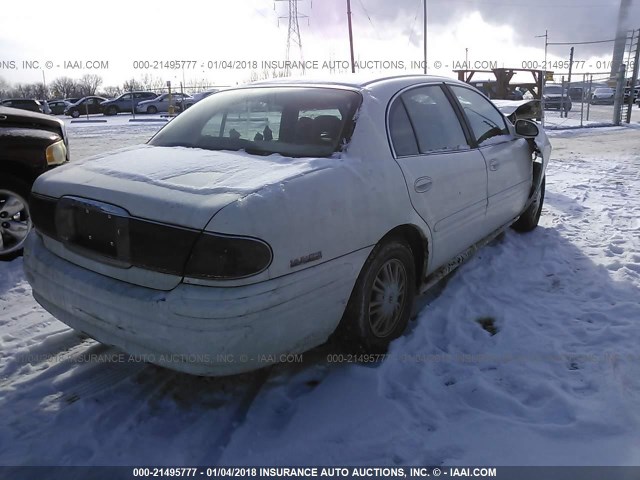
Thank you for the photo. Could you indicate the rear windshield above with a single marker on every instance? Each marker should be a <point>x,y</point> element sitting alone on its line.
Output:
<point>553,89</point>
<point>291,121</point>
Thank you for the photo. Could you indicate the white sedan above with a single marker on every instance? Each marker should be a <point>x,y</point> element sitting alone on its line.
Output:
<point>267,217</point>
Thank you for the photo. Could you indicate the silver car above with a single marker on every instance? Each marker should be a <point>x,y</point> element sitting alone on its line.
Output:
<point>161,103</point>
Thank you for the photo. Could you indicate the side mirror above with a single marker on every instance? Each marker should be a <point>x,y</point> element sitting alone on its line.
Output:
<point>526,128</point>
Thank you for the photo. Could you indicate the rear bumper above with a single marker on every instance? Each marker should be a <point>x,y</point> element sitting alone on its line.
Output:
<point>196,329</point>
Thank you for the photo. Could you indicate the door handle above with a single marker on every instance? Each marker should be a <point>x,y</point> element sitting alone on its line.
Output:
<point>494,165</point>
<point>423,184</point>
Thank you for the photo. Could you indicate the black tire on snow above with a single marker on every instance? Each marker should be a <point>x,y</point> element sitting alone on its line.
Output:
<point>530,218</point>
<point>357,329</point>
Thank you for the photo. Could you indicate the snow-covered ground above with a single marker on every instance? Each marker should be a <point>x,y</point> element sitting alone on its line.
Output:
<point>553,378</point>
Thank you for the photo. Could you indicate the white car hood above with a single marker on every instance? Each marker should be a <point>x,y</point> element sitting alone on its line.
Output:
<point>178,185</point>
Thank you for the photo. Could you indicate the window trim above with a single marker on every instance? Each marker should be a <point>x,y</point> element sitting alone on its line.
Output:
<point>398,97</point>
<point>466,119</point>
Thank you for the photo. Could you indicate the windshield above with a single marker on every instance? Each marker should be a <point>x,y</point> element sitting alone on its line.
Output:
<point>553,89</point>
<point>291,121</point>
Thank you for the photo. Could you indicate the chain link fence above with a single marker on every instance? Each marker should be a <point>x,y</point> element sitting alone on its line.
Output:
<point>587,101</point>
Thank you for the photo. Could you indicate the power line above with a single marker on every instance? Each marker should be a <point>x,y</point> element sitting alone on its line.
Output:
<point>369,17</point>
<point>414,22</point>
<point>581,43</point>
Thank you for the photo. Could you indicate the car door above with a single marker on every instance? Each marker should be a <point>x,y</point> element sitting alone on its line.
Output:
<point>125,101</point>
<point>446,178</point>
<point>508,158</point>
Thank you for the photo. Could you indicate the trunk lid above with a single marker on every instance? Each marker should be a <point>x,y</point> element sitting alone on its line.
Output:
<point>175,185</point>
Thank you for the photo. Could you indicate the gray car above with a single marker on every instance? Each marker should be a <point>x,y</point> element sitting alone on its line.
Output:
<point>161,103</point>
<point>126,102</point>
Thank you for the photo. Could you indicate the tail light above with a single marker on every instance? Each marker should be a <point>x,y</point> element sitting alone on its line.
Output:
<point>216,256</point>
<point>89,229</point>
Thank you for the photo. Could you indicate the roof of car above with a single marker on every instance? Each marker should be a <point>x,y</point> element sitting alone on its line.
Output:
<point>358,80</point>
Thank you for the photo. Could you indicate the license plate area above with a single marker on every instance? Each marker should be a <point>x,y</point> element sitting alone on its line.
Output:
<point>94,229</point>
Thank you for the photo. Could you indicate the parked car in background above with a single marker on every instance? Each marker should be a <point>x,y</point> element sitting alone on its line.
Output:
<point>29,104</point>
<point>126,102</point>
<point>627,92</point>
<point>602,96</point>
<point>261,221</point>
<point>576,93</point>
<point>160,104</point>
<point>30,144</point>
<point>58,106</point>
<point>201,95</point>
<point>556,98</point>
<point>73,100</point>
<point>85,106</point>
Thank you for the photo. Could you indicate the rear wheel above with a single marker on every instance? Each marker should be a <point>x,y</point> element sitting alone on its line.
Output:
<point>15,221</point>
<point>530,218</point>
<point>382,299</point>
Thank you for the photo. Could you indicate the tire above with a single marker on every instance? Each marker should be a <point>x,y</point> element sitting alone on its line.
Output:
<point>112,110</point>
<point>152,110</point>
<point>75,114</point>
<point>15,221</point>
<point>387,278</point>
<point>529,219</point>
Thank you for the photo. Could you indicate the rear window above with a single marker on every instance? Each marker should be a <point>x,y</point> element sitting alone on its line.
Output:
<point>553,89</point>
<point>291,121</point>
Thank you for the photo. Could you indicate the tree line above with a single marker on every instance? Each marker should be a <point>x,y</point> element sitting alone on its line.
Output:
<point>89,84</point>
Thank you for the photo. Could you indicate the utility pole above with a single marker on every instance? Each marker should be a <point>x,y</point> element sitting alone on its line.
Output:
<point>568,81</point>
<point>293,33</point>
<point>544,80</point>
<point>353,62</point>
<point>634,75</point>
<point>424,32</point>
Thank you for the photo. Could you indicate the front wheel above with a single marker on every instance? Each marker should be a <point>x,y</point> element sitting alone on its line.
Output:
<point>15,221</point>
<point>75,114</point>
<point>530,218</point>
<point>152,110</point>
<point>112,110</point>
<point>382,299</point>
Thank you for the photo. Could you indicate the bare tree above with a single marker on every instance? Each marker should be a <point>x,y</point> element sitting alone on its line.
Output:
<point>89,83</point>
<point>4,88</point>
<point>198,85</point>
<point>150,82</point>
<point>132,85</point>
<point>26,90</point>
<point>111,92</point>
<point>64,87</point>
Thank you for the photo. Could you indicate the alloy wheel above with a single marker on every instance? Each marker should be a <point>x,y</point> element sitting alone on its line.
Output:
<point>388,295</point>
<point>15,223</point>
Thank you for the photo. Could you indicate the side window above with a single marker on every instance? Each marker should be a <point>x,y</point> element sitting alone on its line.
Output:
<point>127,96</point>
<point>402,136</point>
<point>434,121</point>
<point>485,119</point>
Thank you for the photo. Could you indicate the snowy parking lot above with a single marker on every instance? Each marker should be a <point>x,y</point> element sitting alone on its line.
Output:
<point>527,356</point>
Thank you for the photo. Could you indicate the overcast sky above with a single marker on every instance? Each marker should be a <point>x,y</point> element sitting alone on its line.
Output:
<point>501,31</point>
